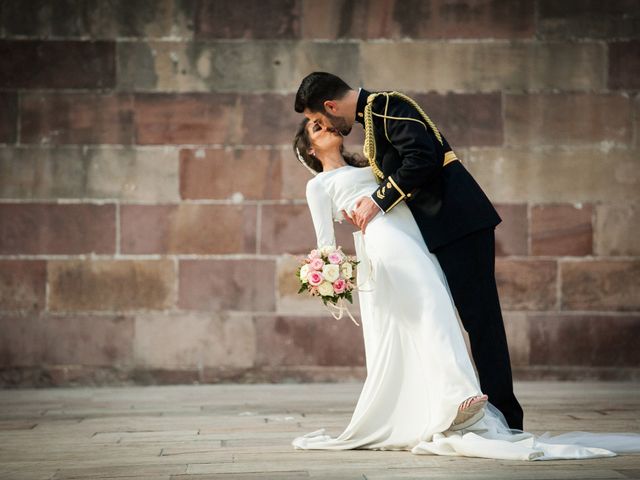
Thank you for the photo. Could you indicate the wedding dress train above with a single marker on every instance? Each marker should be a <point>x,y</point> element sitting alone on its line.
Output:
<point>418,368</point>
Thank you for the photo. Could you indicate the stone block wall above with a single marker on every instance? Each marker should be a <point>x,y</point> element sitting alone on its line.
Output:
<point>151,209</point>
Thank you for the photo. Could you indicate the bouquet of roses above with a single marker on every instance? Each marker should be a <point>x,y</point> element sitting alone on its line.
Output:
<point>330,274</point>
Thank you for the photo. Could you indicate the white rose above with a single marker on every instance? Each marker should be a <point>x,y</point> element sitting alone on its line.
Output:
<point>304,271</point>
<point>327,249</point>
<point>347,270</point>
<point>326,289</point>
<point>331,272</point>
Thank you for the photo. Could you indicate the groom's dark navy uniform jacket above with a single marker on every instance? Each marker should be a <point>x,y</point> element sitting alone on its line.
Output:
<point>414,163</point>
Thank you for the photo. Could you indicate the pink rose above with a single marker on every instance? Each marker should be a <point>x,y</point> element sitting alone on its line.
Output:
<point>336,257</point>
<point>316,264</point>
<point>315,253</point>
<point>340,285</point>
<point>315,278</point>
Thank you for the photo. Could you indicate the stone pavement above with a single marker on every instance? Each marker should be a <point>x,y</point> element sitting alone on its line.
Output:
<point>240,431</point>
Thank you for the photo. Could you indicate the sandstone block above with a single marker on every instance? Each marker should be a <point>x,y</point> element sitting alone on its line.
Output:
<point>87,340</point>
<point>111,285</point>
<point>149,174</point>
<point>624,63</point>
<point>567,119</point>
<point>213,285</point>
<point>295,176</point>
<point>112,19</point>
<point>188,228</point>
<point>527,284</point>
<point>216,118</point>
<point>8,117</point>
<point>231,66</point>
<point>512,234</point>
<point>561,230</point>
<point>253,19</point>
<point>428,19</point>
<point>517,330</point>
<point>227,174</point>
<point>581,175</point>
<point>76,118</point>
<point>617,229</point>
<point>298,340</point>
<point>48,228</point>
<point>601,285</point>
<point>57,64</point>
<point>193,340</point>
<point>22,284</point>
<point>243,174</point>
<point>588,19</point>
<point>463,66</point>
<point>586,340</point>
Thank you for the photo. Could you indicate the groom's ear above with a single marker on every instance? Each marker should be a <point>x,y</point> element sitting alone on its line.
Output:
<point>331,106</point>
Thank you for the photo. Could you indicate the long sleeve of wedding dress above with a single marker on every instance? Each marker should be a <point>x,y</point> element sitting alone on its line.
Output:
<point>320,206</point>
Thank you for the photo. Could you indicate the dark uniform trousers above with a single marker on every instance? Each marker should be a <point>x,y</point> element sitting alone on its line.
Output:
<point>469,265</point>
<point>413,162</point>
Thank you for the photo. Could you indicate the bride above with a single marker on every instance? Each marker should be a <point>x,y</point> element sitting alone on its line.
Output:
<point>421,392</point>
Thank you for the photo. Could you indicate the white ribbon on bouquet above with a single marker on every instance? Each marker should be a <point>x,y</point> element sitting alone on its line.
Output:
<point>366,269</point>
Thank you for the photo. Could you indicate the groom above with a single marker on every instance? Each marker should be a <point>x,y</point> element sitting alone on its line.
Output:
<point>414,163</point>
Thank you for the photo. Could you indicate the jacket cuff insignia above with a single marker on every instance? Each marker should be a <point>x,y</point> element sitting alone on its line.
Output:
<point>389,194</point>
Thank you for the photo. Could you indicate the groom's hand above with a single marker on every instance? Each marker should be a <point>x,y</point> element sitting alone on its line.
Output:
<point>365,210</point>
<point>346,215</point>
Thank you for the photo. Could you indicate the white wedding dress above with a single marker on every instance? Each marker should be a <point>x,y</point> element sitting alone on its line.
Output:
<point>418,368</point>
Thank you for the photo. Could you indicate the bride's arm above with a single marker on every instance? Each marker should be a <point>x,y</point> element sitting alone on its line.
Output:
<point>319,203</point>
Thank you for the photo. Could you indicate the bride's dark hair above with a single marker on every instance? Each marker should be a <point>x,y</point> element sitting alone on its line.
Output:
<point>302,143</point>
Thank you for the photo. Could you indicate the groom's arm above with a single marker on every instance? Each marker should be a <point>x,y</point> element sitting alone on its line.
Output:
<point>414,141</point>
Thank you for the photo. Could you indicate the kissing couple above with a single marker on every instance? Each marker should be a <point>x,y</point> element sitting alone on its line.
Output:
<point>426,245</point>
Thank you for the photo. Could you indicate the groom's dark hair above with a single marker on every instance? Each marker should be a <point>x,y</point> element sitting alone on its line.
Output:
<point>318,87</point>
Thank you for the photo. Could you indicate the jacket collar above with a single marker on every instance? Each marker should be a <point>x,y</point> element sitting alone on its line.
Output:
<point>362,102</point>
